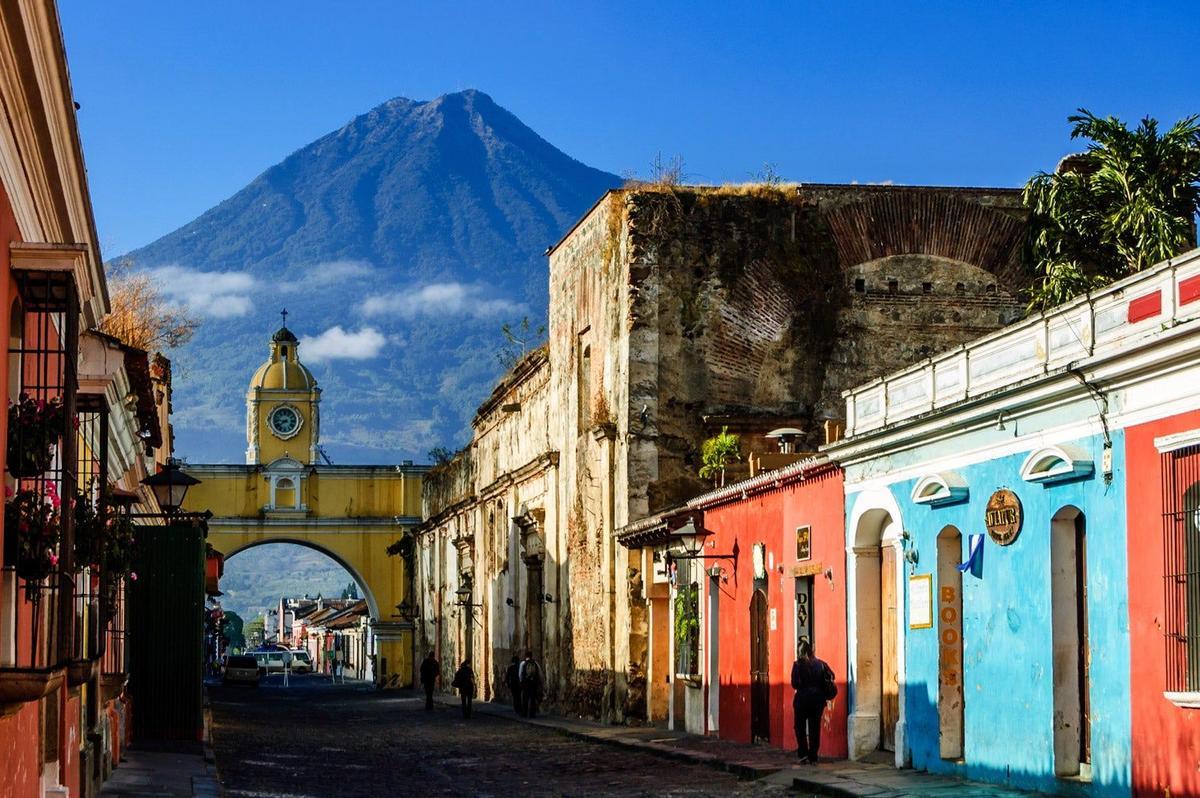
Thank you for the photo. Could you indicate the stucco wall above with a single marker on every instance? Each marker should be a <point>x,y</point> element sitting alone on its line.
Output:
<point>771,518</point>
<point>1007,629</point>
<point>1166,738</point>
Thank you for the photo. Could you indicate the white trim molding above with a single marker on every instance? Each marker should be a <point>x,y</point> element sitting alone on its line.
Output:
<point>1056,464</point>
<point>1184,700</point>
<point>1180,440</point>
<point>936,490</point>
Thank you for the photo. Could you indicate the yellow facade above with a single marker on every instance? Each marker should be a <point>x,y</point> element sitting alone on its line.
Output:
<point>283,494</point>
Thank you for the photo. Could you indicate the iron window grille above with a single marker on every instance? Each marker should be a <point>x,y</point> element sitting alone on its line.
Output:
<point>1181,567</point>
<point>43,351</point>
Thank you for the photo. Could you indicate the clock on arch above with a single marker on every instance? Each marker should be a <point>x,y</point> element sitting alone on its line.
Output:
<point>284,421</point>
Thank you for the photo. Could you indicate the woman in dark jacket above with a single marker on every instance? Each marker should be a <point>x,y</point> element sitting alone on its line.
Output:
<point>810,680</point>
<point>464,680</point>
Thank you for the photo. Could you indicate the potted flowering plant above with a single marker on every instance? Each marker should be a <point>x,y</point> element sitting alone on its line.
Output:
<point>33,550</point>
<point>89,531</point>
<point>34,427</point>
<point>116,559</point>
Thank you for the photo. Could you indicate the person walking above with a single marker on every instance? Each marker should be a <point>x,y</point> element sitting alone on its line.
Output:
<point>512,677</point>
<point>812,679</point>
<point>464,680</point>
<point>431,671</point>
<point>530,675</point>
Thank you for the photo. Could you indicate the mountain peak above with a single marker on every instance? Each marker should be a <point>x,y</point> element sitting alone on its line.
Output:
<point>453,195</point>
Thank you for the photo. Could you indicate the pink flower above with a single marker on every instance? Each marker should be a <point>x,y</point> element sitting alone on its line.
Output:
<point>52,492</point>
<point>53,559</point>
<point>133,575</point>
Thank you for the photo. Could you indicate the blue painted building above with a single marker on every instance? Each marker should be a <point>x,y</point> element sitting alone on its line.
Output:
<point>987,548</point>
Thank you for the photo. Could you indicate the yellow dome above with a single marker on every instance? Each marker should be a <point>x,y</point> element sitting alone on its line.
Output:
<point>283,370</point>
<point>288,375</point>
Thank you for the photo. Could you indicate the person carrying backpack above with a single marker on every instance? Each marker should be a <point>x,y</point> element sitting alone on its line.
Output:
<point>531,684</point>
<point>813,681</point>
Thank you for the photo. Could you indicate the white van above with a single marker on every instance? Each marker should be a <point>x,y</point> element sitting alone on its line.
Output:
<point>301,661</point>
<point>269,661</point>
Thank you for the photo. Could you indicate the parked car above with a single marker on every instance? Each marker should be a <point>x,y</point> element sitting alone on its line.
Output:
<point>241,669</point>
<point>301,661</point>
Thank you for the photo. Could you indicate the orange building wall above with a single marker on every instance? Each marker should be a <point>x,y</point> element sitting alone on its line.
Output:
<point>1166,739</point>
<point>771,518</point>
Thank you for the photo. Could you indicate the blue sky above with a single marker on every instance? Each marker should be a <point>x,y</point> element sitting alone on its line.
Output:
<point>184,103</point>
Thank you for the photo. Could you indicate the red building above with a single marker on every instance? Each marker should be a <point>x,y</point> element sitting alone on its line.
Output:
<point>1163,497</point>
<point>786,584</point>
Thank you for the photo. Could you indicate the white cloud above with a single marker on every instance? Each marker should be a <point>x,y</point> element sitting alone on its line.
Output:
<point>441,299</point>
<point>218,295</point>
<point>322,275</point>
<point>338,344</point>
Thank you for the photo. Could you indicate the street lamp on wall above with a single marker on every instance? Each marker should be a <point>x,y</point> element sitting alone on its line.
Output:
<point>688,544</point>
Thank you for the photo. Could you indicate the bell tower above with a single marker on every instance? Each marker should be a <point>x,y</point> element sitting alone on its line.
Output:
<point>283,405</point>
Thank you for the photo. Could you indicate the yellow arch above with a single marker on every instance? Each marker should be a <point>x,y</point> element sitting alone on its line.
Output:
<point>349,513</point>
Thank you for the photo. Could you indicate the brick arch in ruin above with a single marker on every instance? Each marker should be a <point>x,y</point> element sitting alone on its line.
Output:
<point>934,223</point>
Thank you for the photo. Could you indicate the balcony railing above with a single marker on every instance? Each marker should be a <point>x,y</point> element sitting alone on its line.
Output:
<point>1107,322</point>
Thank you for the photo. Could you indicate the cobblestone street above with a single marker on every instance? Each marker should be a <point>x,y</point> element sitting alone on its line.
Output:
<point>313,740</point>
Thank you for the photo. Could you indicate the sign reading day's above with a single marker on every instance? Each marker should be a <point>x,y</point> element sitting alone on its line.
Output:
<point>1003,516</point>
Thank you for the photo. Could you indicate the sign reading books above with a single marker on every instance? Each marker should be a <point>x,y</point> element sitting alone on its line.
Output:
<point>1003,516</point>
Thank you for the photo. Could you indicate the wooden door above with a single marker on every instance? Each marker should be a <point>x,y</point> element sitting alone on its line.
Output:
<point>950,644</point>
<point>1081,619</point>
<point>533,609</point>
<point>760,678</point>
<point>890,708</point>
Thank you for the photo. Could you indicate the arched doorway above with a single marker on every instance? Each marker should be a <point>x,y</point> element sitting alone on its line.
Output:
<point>760,674</point>
<point>951,708</point>
<point>1069,633</point>
<point>877,651</point>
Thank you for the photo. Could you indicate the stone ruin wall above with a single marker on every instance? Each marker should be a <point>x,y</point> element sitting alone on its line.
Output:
<point>736,303</point>
<point>757,312</point>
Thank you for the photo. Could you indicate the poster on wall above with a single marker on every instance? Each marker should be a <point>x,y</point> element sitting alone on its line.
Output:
<point>920,601</point>
<point>803,542</point>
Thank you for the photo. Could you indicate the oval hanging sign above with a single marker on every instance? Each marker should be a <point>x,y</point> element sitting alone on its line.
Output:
<point>1003,517</point>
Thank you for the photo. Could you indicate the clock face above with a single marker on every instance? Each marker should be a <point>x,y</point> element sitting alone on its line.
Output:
<point>284,421</point>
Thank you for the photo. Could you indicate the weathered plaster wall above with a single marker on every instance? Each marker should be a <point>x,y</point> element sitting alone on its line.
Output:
<point>490,524</point>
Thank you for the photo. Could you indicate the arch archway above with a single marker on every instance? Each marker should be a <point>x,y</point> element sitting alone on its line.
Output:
<point>364,588</point>
<point>876,656</point>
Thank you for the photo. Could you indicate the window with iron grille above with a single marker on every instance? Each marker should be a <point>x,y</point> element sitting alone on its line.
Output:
<point>1181,567</point>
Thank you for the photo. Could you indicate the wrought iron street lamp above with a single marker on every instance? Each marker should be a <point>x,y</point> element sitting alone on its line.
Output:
<point>170,486</point>
<point>688,544</point>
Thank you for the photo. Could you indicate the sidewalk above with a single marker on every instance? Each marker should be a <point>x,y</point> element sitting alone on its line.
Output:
<point>179,771</point>
<point>833,778</point>
<point>167,770</point>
